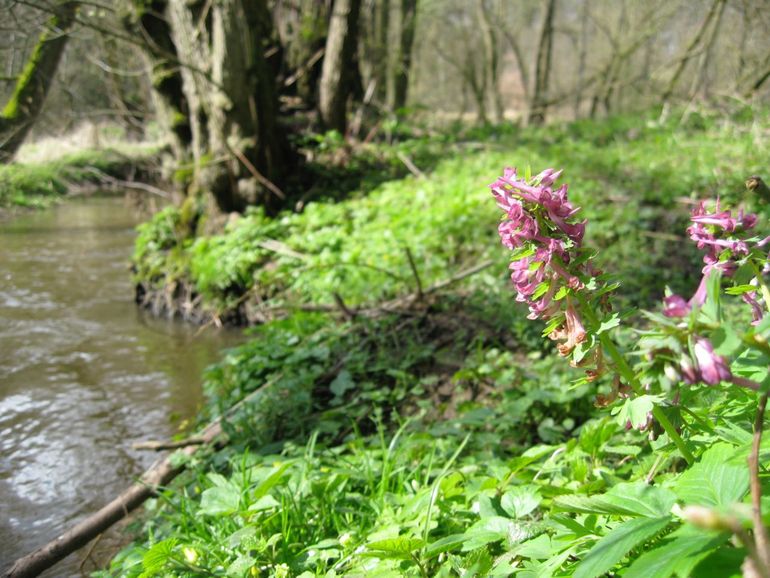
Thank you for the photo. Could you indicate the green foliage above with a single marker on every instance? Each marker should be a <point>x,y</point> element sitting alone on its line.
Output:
<point>40,184</point>
<point>448,443</point>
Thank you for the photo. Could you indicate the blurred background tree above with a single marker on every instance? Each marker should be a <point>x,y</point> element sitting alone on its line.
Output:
<point>230,86</point>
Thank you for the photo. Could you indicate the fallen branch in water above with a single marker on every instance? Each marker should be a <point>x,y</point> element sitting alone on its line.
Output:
<point>158,475</point>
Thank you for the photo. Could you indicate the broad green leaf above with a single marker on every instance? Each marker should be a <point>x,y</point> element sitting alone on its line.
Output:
<point>520,501</point>
<point>613,547</point>
<point>723,563</point>
<point>445,544</point>
<point>494,529</point>
<point>158,555</point>
<point>220,500</point>
<point>677,555</point>
<point>714,480</point>
<point>753,364</point>
<point>628,499</point>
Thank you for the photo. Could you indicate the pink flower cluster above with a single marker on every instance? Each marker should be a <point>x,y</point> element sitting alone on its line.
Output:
<point>723,237</point>
<point>540,218</point>
<point>540,222</point>
<point>719,233</point>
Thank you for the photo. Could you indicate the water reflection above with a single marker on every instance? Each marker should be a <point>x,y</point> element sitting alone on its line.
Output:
<point>83,374</point>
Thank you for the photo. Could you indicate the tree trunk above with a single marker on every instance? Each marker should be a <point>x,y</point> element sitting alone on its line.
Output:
<point>582,53</point>
<point>306,35</point>
<point>402,21</point>
<point>700,80</point>
<point>489,39</point>
<point>543,69</point>
<point>148,22</point>
<point>26,102</point>
<point>239,154</point>
<point>337,74</point>
<point>690,52</point>
<point>374,44</point>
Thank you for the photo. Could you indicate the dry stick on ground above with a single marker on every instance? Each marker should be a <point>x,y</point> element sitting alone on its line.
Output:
<point>159,474</point>
<point>760,531</point>
<point>410,165</point>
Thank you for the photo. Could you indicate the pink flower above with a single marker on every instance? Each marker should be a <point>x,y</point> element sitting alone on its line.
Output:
<point>675,306</point>
<point>712,368</point>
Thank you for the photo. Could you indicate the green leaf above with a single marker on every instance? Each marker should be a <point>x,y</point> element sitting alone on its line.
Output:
<point>635,410</point>
<point>609,323</point>
<point>613,547</point>
<point>156,558</point>
<point>714,480</point>
<point>678,554</point>
<point>275,476</point>
<point>342,383</point>
<point>740,289</point>
<point>723,563</point>
<point>627,499</point>
<point>520,501</point>
<point>726,341</point>
<point>220,500</point>
<point>445,544</point>
<point>753,364</point>
<point>400,548</point>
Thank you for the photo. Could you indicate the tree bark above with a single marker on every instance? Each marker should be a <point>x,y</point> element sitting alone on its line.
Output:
<point>690,52</point>
<point>240,155</point>
<point>402,22</point>
<point>148,22</point>
<point>543,69</point>
<point>489,40</point>
<point>337,74</point>
<point>304,34</point>
<point>374,44</point>
<point>26,102</point>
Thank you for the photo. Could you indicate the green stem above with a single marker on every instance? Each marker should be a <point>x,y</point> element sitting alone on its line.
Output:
<point>628,374</point>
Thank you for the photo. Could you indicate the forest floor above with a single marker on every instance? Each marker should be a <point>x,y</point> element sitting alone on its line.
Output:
<point>406,426</point>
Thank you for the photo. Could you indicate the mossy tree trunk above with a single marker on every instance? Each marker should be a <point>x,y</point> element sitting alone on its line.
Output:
<point>338,71</point>
<point>212,76</point>
<point>146,20</point>
<point>26,102</point>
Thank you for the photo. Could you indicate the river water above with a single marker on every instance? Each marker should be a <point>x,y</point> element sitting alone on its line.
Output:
<point>83,372</point>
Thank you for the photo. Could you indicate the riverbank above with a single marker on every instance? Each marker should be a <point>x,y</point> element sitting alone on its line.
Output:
<point>405,426</point>
<point>636,178</point>
<point>38,184</point>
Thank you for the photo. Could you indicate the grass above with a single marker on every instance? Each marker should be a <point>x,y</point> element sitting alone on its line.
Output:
<point>446,441</point>
<point>39,184</point>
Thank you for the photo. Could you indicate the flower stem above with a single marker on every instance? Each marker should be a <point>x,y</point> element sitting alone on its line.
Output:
<point>628,374</point>
<point>760,531</point>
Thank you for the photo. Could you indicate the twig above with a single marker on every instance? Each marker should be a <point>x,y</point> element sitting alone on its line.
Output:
<point>346,312</point>
<point>109,179</point>
<point>90,551</point>
<point>410,165</point>
<point>281,249</point>
<point>158,446</point>
<point>267,183</point>
<point>305,67</point>
<point>760,531</point>
<point>416,274</point>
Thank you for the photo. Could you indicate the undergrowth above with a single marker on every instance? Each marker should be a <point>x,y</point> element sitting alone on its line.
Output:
<point>446,440</point>
<point>42,183</point>
<point>637,179</point>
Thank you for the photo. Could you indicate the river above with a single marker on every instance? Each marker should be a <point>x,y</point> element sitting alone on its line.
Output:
<point>83,372</point>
